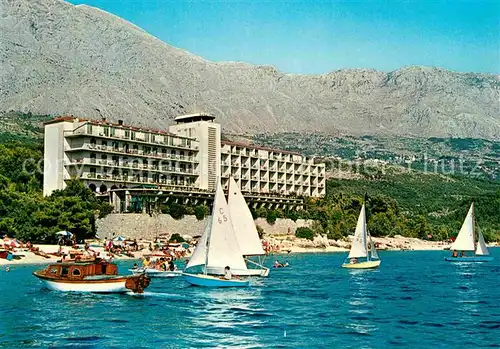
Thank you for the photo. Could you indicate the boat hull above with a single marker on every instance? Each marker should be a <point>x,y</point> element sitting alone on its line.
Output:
<point>154,273</point>
<point>239,272</point>
<point>212,281</point>
<point>115,286</point>
<point>362,265</point>
<point>469,259</point>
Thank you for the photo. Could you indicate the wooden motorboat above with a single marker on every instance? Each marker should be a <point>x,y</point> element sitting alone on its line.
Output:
<point>96,276</point>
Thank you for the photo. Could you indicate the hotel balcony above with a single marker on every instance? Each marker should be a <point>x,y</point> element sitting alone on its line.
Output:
<point>130,152</point>
<point>173,141</point>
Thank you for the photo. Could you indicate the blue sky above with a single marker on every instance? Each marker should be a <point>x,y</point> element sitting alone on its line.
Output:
<point>311,37</point>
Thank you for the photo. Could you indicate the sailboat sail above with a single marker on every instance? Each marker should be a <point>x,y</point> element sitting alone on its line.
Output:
<point>358,246</point>
<point>243,223</point>
<point>223,248</point>
<point>481,249</point>
<point>373,250</point>
<point>465,237</point>
<point>200,253</point>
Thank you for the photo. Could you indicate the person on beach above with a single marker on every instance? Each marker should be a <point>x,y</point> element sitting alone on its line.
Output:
<point>227,273</point>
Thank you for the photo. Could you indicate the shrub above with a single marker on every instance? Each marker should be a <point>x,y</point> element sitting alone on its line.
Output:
<point>176,238</point>
<point>304,233</point>
<point>201,211</point>
<point>271,217</point>
<point>177,211</point>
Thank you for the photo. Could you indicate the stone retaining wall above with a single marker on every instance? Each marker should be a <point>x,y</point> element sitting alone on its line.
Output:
<point>136,225</point>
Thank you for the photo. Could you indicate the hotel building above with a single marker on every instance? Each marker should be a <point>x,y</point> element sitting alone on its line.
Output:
<point>121,161</point>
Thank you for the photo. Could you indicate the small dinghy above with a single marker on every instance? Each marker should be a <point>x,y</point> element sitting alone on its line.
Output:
<point>213,281</point>
<point>217,249</point>
<point>465,242</point>
<point>359,250</point>
<point>96,276</point>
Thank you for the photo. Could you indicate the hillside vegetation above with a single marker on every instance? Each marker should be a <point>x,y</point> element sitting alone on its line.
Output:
<point>410,204</point>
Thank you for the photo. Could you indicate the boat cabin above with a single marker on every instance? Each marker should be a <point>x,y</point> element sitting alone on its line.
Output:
<point>78,271</point>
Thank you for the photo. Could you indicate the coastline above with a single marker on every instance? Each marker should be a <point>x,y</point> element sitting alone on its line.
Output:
<point>284,244</point>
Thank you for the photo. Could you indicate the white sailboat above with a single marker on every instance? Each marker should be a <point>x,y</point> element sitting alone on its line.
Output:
<point>217,249</point>
<point>465,243</point>
<point>245,231</point>
<point>359,249</point>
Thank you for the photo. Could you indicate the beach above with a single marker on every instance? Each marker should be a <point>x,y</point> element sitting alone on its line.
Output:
<point>29,257</point>
<point>281,244</point>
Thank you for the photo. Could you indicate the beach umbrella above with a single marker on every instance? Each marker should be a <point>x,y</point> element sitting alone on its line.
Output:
<point>64,233</point>
<point>119,238</point>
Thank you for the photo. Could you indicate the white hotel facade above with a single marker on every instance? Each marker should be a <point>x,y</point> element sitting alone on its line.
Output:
<point>190,156</point>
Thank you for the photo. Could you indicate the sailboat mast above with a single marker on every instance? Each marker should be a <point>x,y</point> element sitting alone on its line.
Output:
<point>473,226</point>
<point>210,229</point>
<point>368,251</point>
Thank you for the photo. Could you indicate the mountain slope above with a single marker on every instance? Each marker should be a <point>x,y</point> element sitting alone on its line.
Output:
<point>58,58</point>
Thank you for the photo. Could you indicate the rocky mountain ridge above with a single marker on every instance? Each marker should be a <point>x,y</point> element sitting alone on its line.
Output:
<point>58,58</point>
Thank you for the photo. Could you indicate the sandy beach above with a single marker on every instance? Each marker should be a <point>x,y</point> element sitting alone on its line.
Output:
<point>32,258</point>
<point>280,244</point>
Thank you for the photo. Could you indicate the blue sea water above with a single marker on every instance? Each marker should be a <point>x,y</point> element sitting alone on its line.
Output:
<point>415,300</point>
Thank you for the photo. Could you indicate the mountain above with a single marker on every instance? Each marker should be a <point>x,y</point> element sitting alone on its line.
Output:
<point>57,58</point>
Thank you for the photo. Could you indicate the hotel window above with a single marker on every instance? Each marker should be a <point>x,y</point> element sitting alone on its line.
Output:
<point>136,148</point>
<point>156,178</point>
<point>104,143</point>
<point>115,160</point>
<point>125,175</point>
<point>155,151</point>
<point>92,141</point>
<point>127,134</point>
<point>113,132</point>
<point>146,137</point>
<point>92,158</point>
<point>132,135</point>
<point>106,131</point>
<point>147,150</point>
<point>89,129</point>
<point>115,146</point>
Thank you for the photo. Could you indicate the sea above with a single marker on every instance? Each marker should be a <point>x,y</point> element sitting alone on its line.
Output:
<point>414,300</point>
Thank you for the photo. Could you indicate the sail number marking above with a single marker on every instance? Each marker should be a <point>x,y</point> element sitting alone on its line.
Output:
<point>223,218</point>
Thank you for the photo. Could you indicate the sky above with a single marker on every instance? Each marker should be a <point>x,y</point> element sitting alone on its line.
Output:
<point>315,37</point>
